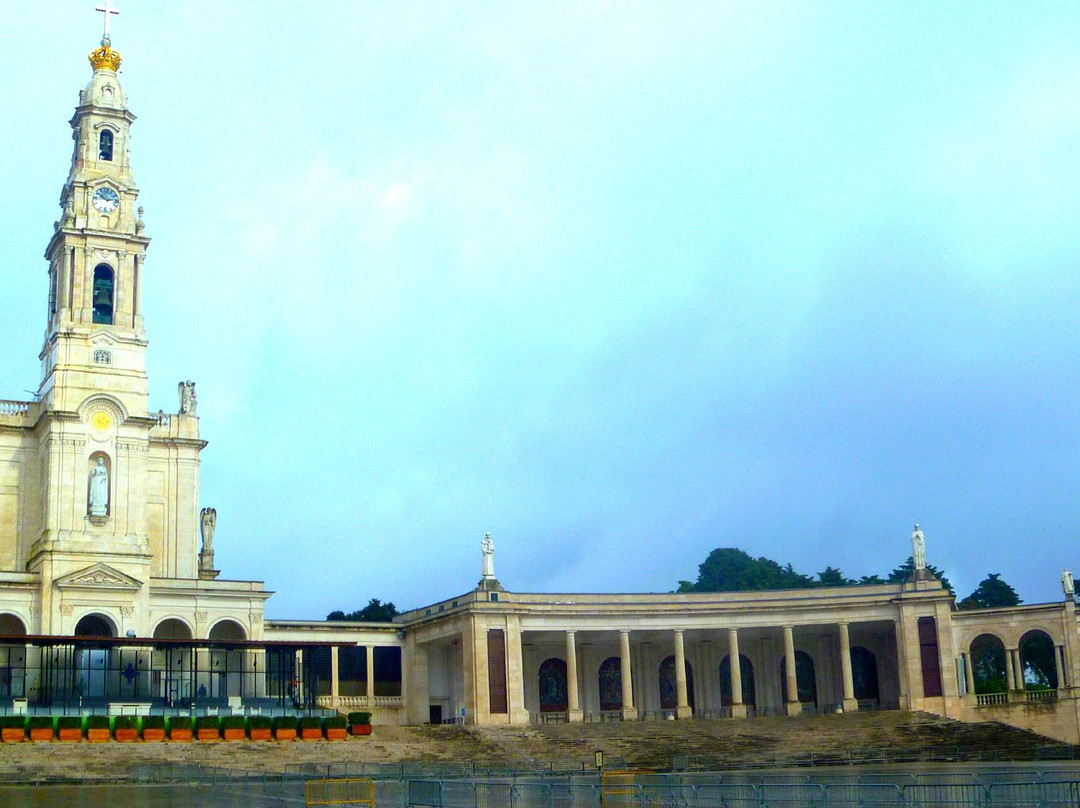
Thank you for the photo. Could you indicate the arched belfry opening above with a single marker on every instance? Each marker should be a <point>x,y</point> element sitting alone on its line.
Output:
<point>105,145</point>
<point>103,294</point>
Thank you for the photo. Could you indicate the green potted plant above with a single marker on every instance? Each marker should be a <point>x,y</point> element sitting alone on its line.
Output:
<point>153,728</point>
<point>336,728</point>
<point>126,728</point>
<point>360,723</point>
<point>259,728</point>
<point>97,728</point>
<point>12,728</point>
<point>179,728</point>
<point>310,728</point>
<point>41,728</point>
<point>232,727</point>
<point>69,727</point>
<point>285,728</point>
<point>207,728</point>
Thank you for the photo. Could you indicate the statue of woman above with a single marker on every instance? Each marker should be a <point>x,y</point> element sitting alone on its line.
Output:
<point>918,549</point>
<point>487,567</point>
<point>99,489</point>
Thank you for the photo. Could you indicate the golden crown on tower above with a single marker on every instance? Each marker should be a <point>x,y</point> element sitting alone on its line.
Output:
<point>105,58</point>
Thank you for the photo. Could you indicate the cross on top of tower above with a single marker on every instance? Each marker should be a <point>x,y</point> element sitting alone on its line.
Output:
<point>107,9</point>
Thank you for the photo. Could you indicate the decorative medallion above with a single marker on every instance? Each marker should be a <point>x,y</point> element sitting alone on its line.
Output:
<point>100,420</point>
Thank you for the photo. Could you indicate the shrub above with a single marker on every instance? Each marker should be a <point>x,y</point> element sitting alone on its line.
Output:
<point>285,722</point>
<point>359,718</point>
<point>13,722</point>
<point>336,722</point>
<point>41,722</point>
<point>69,722</point>
<point>232,722</point>
<point>125,722</point>
<point>206,722</point>
<point>97,722</point>
<point>259,722</point>
<point>310,722</point>
<point>153,722</point>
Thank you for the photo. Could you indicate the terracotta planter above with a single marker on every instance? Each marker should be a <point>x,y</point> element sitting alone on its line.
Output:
<point>336,734</point>
<point>209,734</point>
<point>234,734</point>
<point>180,733</point>
<point>285,734</point>
<point>127,734</point>
<point>263,734</point>
<point>360,729</point>
<point>12,734</point>
<point>311,734</point>
<point>42,734</point>
<point>97,735</point>
<point>71,734</point>
<point>153,734</point>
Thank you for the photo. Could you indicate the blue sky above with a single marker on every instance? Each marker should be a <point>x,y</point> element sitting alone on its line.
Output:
<point>617,282</point>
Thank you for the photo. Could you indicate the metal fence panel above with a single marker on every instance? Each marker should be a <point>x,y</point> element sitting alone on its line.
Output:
<point>942,795</point>
<point>728,795</point>
<point>531,795</point>
<point>839,795</point>
<point>575,795</point>
<point>459,794</point>
<point>788,795</point>
<point>424,792</point>
<point>1061,793</point>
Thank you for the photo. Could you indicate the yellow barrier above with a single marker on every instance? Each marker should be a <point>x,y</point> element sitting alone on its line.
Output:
<point>347,791</point>
<point>619,788</point>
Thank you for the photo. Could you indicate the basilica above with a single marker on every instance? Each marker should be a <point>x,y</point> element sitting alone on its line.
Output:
<point>110,599</point>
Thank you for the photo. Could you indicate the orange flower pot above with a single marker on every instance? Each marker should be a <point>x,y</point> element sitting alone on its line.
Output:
<point>97,735</point>
<point>180,733</point>
<point>284,734</point>
<point>71,734</point>
<point>41,734</point>
<point>336,734</point>
<point>153,734</point>
<point>209,734</point>
<point>261,734</point>
<point>126,735</point>
<point>311,734</point>
<point>360,729</point>
<point>234,734</point>
<point>12,734</point>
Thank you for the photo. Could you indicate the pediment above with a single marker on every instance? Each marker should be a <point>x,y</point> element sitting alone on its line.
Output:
<point>98,576</point>
<point>103,339</point>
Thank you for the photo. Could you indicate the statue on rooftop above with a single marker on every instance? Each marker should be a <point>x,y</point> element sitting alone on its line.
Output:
<point>189,403</point>
<point>1067,583</point>
<point>487,566</point>
<point>918,549</point>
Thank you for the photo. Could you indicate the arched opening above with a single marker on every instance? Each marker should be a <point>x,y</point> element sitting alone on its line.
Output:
<point>1037,661</point>
<point>805,678</point>
<point>746,676</point>
<point>103,294</point>
<point>225,674</point>
<point>105,145</point>
<point>610,680</point>
<point>174,662</point>
<point>552,682</point>
<point>12,659</point>
<point>987,659</point>
<point>91,675</point>
<point>669,699</point>
<point>864,676</point>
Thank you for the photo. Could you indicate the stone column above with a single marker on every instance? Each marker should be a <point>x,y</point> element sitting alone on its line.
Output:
<point>1019,669</point>
<point>793,706</point>
<point>573,702</point>
<point>370,682</point>
<point>1010,672</point>
<point>682,703</point>
<point>335,691</point>
<point>738,709</point>
<point>629,712</point>
<point>1059,667</point>
<point>969,674</point>
<point>851,705</point>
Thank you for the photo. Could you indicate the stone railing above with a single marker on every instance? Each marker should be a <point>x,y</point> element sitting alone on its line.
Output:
<point>991,699</point>
<point>17,408</point>
<point>1041,695</point>
<point>360,702</point>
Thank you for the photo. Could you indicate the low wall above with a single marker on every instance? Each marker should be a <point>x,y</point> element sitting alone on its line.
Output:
<point>1057,718</point>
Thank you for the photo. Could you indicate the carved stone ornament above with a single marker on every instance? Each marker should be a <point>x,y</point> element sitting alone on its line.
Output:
<point>67,610</point>
<point>200,616</point>
<point>98,576</point>
<point>127,611</point>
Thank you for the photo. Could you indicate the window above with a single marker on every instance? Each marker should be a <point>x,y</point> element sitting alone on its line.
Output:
<point>103,294</point>
<point>105,145</point>
<point>102,357</point>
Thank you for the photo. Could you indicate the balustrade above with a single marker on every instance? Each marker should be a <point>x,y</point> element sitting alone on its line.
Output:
<point>17,408</point>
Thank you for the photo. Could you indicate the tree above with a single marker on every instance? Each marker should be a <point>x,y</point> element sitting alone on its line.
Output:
<point>907,569</point>
<point>991,593</point>
<point>375,612</point>
<point>728,569</point>
<point>831,576</point>
<point>867,580</point>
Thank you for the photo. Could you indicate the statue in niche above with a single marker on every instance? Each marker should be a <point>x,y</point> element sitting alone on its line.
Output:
<point>1067,583</point>
<point>189,403</point>
<point>207,523</point>
<point>918,549</point>
<point>99,489</point>
<point>487,566</point>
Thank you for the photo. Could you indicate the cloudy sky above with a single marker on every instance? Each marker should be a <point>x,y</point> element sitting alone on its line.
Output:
<point>617,282</point>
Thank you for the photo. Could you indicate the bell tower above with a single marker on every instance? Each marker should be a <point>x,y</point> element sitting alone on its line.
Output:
<point>96,338</point>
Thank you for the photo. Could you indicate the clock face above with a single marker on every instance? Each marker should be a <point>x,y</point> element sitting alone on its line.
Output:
<point>105,200</point>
